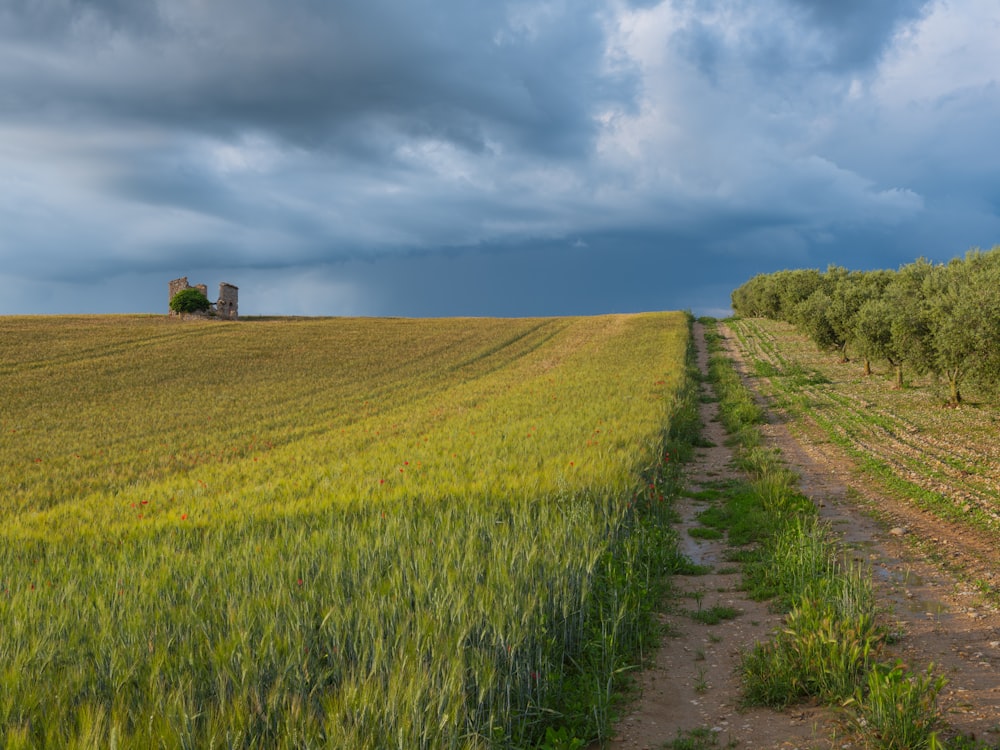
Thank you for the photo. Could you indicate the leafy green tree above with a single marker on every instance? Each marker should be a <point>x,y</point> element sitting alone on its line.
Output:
<point>871,331</point>
<point>850,291</point>
<point>938,319</point>
<point>890,324</point>
<point>909,325</point>
<point>794,288</point>
<point>757,298</point>
<point>985,300</point>
<point>963,304</point>
<point>775,295</point>
<point>812,318</point>
<point>827,314</point>
<point>189,301</point>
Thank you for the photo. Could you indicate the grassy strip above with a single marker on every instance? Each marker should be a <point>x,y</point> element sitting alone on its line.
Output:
<point>829,644</point>
<point>631,581</point>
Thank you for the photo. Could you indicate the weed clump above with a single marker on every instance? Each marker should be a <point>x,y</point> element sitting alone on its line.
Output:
<point>899,709</point>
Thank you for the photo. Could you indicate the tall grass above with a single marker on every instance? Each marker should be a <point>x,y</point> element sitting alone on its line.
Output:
<point>339,533</point>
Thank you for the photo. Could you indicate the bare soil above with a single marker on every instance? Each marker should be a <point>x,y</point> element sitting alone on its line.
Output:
<point>692,682</point>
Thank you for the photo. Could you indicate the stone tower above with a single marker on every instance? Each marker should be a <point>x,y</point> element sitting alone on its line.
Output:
<point>177,285</point>
<point>228,305</point>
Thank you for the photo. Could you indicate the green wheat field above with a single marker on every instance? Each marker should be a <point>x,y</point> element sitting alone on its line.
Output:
<point>361,533</point>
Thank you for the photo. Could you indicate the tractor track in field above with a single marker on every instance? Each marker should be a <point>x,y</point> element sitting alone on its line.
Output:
<point>691,683</point>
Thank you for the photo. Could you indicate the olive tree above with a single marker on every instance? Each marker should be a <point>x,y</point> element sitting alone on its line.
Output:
<point>871,331</point>
<point>757,298</point>
<point>850,292</point>
<point>909,325</point>
<point>891,323</point>
<point>794,288</point>
<point>963,304</point>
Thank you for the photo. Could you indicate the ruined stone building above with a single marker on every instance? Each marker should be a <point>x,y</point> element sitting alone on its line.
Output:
<point>227,306</point>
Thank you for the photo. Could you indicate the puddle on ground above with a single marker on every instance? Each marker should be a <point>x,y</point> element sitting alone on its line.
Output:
<point>693,552</point>
<point>926,607</point>
<point>693,549</point>
<point>698,551</point>
<point>904,577</point>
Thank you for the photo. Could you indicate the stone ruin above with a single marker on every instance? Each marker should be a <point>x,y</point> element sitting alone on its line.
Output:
<point>227,306</point>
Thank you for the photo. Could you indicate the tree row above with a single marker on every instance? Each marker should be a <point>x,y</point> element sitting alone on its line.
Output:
<point>936,319</point>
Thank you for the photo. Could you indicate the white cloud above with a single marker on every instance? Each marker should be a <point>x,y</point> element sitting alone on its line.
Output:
<point>716,140</point>
<point>952,48</point>
<point>246,154</point>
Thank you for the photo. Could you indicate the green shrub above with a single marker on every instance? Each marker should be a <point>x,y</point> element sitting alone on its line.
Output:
<point>704,532</point>
<point>189,301</point>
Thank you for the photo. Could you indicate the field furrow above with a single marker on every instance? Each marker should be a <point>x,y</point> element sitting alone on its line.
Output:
<point>950,457</point>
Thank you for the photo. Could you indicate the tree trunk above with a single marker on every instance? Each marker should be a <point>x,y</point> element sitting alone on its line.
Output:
<point>898,385</point>
<point>868,367</point>
<point>953,381</point>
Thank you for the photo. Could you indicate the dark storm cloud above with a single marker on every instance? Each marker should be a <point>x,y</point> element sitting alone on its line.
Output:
<point>793,38</point>
<point>59,20</point>
<point>858,31</point>
<point>498,157</point>
<point>321,75</point>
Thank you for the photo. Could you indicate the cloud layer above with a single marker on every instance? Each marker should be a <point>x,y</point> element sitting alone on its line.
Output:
<point>449,157</point>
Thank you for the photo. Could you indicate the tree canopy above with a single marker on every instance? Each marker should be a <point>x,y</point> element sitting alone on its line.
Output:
<point>189,301</point>
<point>942,319</point>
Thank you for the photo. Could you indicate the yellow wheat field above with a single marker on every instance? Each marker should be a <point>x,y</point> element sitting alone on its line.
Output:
<point>316,532</point>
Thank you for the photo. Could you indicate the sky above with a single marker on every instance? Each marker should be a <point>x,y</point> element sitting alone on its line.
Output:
<point>430,158</point>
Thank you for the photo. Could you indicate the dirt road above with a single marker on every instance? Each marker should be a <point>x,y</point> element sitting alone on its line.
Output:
<point>692,683</point>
